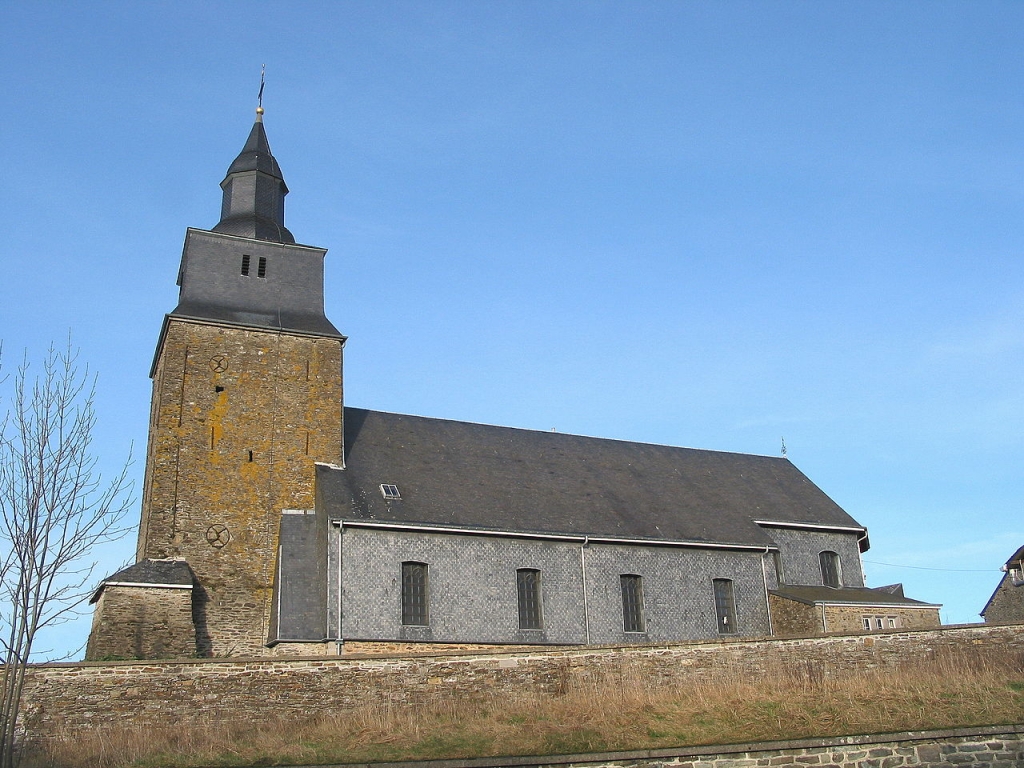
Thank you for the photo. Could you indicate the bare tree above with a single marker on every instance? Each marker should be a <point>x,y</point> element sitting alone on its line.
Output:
<point>54,508</point>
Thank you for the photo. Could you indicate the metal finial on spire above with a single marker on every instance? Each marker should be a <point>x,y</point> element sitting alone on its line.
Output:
<point>784,451</point>
<point>259,98</point>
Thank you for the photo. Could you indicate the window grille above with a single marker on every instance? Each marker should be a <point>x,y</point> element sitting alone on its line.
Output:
<point>414,594</point>
<point>528,586</point>
<point>261,269</point>
<point>632,602</point>
<point>830,573</point>
<point>245,264</point>
<point>725,606</point>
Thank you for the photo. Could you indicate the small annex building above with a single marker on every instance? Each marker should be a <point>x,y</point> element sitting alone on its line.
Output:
<point>275,519</point>
<point>1006,606</point>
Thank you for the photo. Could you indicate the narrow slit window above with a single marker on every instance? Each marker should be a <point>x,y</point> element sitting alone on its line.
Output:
<point>528,587</point>
<point>245,264</point>
<point>780,573</point>
<point>725,606</point>
<point>632,602</point>
<point>414,594</point>
<point>261,270</point>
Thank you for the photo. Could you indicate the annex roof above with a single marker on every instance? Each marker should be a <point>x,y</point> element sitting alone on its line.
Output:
<point>849,596</point>
<point>171,573</point>
<point>474,476</point>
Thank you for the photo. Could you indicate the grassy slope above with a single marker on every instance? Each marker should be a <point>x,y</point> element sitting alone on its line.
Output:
<point>620,712</point>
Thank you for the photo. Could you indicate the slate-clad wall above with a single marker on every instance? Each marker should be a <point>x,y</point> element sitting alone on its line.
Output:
<point>800,550</point>
<point>293,285</point>
<point>679,601</point>
<point>300,602</point>
<point>473,599</point>
<point>471,587</point>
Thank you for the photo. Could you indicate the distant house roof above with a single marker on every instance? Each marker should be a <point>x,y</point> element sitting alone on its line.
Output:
<point>172,573</point>
<point>850,596</point>
<point>1016,557</point>
<point>473,476</point>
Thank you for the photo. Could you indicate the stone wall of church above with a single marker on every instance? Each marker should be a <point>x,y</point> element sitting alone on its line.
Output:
<point>473,597</point>
<point>239,418</point>
<point>142,623</point>
<point>800,550</point>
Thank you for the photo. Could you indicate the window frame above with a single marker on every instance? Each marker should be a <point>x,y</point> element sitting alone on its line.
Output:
<point>780,569</point>
<point>831,566</point>
<point>725,606</point>
<point>634,620</point>
<point>529,599</point>
<point>415,594</point>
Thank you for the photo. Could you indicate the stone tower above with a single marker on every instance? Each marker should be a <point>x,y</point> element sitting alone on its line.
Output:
<point>247,397</point>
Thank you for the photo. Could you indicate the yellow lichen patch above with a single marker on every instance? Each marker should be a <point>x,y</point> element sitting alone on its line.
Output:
<point>200,475</point>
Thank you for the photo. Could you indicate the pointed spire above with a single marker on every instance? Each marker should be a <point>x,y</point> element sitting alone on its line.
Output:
<point>254,191</point>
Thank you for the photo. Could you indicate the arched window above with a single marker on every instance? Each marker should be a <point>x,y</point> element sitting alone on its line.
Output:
<point>831,573</point>
<point>414,594</point>
<point>632,602</point>
<point>528,587</point>
<point>725,606</point>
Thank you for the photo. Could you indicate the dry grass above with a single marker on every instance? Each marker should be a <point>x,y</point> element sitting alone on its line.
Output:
<point>622,711</point>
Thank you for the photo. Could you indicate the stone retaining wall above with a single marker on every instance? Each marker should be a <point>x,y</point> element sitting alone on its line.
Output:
<point>88,694</point>
<point>988,747</point>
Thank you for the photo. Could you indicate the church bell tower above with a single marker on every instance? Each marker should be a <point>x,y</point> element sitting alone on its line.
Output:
<point>247,397</point>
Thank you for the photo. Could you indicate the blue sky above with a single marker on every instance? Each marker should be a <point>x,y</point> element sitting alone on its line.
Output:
<point>715,225</point>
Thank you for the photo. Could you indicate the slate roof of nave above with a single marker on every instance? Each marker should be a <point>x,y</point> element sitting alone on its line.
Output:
<point>465,475</point>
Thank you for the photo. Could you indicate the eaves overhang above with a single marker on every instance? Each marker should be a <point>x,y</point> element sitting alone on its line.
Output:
<point>862,532</point>
<point>548,536</point>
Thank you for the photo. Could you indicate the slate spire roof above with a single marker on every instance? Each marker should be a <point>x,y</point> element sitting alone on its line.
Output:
<point>254,191</point>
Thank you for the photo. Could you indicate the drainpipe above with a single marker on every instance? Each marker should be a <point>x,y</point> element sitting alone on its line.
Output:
<point>824,621</point>
<point>583,569</point>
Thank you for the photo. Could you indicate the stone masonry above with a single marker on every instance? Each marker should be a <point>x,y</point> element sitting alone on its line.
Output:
<point>239,418</point>
<point>1007,603</point>
<point>791,618</point>
<point>984,747</point>
<point>139,622</point>
<point>93,695</point>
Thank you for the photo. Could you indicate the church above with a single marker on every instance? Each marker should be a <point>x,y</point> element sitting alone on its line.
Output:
<point>278,521</point>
